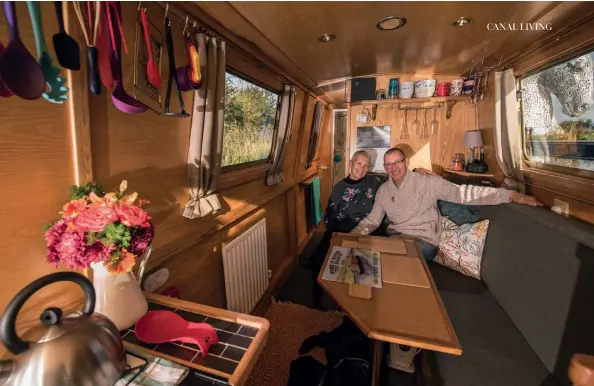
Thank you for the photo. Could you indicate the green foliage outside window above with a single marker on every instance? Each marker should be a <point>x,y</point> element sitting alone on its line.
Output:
<point>250,117</point>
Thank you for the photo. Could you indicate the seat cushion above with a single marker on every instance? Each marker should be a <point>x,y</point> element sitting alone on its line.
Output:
<point>494,351</point>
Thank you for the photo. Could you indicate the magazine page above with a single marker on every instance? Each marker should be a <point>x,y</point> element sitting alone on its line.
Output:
<point>352,265</point>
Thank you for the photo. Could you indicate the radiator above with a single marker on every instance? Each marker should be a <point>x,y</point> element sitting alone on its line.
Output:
<point>245,263</point>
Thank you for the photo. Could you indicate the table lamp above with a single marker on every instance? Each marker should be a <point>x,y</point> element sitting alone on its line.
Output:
<point>473,139</point>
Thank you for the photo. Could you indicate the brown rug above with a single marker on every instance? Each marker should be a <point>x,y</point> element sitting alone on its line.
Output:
<point>290,325</point>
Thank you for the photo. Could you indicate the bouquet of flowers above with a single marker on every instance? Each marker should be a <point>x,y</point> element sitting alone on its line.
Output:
<point>98,227</point>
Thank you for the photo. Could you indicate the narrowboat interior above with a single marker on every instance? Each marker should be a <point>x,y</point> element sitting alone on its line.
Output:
<point>297,193</point>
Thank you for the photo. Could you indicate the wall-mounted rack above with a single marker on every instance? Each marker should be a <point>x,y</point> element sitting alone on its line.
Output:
<point>449,101</point>
<point>381,102</point>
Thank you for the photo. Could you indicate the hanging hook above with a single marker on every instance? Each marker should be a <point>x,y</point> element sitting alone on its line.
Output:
<point>139,3</point>
<point>185,25</point>
<point>166,11</point>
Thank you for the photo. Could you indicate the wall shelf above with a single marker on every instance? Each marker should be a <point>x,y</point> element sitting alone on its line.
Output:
<point>409,100</point>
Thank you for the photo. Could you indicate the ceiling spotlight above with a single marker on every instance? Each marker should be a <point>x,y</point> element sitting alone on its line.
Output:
<point>325,38</point>
<point>461,22</point>
<point>391,23</point>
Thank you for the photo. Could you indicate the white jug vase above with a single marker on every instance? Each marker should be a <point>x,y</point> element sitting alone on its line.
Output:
<point>119,296</point>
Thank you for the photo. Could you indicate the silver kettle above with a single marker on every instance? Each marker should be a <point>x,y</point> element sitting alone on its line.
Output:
<point>80,350</point>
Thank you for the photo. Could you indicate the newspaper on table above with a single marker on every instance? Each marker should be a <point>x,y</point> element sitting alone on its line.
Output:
<point>353,265</point>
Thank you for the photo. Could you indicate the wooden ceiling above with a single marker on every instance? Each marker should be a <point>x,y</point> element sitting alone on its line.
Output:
<point>428,43</point>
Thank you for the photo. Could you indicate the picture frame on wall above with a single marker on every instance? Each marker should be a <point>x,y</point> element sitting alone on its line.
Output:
<point>375,140</point>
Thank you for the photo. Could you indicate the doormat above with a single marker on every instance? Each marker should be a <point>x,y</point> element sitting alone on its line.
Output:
<point>290,325</point>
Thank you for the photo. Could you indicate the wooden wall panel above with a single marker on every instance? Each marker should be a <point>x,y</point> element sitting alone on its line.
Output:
<point>436,152</point>
<point>198,271</point>
<point>35,176</point>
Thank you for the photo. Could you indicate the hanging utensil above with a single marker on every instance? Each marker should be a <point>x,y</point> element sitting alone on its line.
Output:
<point>404,132</point>
<point>434,123</point>
<point>91,41</point>
<point>171,77</point>
<point>154,76</point>
<point>416,123</point>
<point>19,70</point>
<point>142,85</point>
<point>66,48</point>
<point>120,98</point>
<point>4,91</point>
<point>189,77</point>
<point>424,134</point>
<point>103,52</point>
<point>57,93</point>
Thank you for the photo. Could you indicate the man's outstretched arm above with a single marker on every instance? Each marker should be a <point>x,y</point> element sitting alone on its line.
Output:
<point>477,195</point>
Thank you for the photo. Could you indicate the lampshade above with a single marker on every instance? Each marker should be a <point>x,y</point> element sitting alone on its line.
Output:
<point>473,138</point>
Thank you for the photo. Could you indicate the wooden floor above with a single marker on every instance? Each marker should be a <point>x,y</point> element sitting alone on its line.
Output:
<point>298,289</point>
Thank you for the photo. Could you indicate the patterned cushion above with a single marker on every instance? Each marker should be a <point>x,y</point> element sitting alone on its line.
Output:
<point>459,213</point>
<point>461,246</point>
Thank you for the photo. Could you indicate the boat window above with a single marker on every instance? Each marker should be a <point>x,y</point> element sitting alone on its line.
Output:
<point>557,115</point>
<point>250,121</point>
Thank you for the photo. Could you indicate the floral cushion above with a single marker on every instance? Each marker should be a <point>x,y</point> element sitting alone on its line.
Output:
<point>461,246</point>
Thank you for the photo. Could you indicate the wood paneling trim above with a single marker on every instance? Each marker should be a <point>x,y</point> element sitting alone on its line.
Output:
<point>242,176</point>
<point>581,189</point>
<point>244,67</point>
<point>78,107</point>
<point>190,238</point>
<point>572,40</point>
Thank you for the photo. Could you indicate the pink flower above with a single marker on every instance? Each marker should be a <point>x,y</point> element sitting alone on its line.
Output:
<point>95,219</point>
<point>74,207</point>
<point>132,215</point>
<point>141,239</point>
<point>97,252</point>
<point>71,250</point>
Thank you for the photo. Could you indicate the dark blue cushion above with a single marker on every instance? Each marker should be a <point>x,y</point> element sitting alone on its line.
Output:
<point>458,213</point>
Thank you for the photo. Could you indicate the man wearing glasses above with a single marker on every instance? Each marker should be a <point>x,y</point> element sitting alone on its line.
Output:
<point>410,202</point>
<point>350,202</point>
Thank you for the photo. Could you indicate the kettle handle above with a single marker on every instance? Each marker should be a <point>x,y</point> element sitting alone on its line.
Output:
<point>8,332</point>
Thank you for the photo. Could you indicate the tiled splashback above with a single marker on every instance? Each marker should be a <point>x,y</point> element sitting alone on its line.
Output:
<point>224,357</point>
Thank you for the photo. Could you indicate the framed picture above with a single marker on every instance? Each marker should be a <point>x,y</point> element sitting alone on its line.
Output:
<point>375,140</point>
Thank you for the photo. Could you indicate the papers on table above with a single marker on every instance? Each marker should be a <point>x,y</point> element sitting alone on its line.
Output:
<point>353,265</point>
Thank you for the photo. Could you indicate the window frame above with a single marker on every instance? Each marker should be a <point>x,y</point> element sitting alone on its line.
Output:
<point>265,164</point>
<point>548,170</point>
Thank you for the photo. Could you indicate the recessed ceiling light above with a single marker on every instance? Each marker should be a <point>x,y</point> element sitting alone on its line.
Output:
<point>325,38</point>
<point>391,23</point>
<point>462,22</point>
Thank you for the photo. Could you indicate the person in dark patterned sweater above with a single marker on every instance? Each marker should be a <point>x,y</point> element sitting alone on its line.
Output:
<point>350,202</point>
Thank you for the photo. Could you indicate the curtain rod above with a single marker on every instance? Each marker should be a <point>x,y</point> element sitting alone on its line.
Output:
<point>172,10</point>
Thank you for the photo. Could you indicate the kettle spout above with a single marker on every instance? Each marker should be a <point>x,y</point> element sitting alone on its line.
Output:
<point>6,370</point>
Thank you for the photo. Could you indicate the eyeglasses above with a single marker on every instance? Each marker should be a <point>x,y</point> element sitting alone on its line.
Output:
<point>394,163</point>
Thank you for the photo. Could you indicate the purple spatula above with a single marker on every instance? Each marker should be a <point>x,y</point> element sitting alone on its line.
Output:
<point>4,91</point>
<point>19,70</point>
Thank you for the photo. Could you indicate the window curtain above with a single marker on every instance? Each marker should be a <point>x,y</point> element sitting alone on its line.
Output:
<point>206,135</point>
<point>287,107</point>
<point>314,137</point>
<point>508,135</point>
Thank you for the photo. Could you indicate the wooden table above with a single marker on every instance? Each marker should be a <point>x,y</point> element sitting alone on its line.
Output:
<point>397,313</point>
<point>241,340</point>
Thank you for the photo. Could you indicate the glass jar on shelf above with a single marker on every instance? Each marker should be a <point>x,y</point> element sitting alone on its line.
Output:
<point>458,162</point>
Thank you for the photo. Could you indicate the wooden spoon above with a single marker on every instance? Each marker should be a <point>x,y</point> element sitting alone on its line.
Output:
<point>18,68</point>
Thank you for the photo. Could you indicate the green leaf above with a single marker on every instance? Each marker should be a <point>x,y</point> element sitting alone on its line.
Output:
<point>78,192</point>
<point>118,233</point>
<point>46,227</point>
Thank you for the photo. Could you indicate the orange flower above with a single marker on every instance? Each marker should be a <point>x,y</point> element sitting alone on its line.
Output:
<point>73,208</point>
<point>120,262</point>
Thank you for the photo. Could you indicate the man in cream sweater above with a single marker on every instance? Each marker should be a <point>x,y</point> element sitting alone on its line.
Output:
<point>410,202</point>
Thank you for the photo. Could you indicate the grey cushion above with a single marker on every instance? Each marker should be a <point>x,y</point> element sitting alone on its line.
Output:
<point>539,268</point>
<point>494,351</point>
